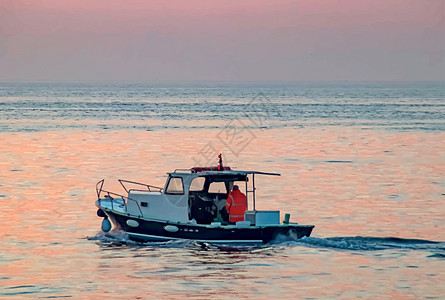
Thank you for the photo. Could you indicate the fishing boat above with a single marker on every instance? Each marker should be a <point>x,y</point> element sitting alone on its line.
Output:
<point>191,206</point>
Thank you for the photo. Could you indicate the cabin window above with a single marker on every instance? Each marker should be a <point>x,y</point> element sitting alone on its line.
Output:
<point>175,186</point>
<point>218,188</point>
<point>197,184</point>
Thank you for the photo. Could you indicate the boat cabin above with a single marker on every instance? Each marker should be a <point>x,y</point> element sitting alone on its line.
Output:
<point>191,195</point>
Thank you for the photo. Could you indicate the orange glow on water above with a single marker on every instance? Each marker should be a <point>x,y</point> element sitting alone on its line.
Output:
<point>388,179</point>
<point>346,182</point>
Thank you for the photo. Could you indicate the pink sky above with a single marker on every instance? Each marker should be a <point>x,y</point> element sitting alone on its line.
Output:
<point>222,40</point>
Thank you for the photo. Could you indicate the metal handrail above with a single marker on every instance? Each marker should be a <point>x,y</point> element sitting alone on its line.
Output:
<point>148,186</point>
<point>98,190</point>
<point>125,199</point>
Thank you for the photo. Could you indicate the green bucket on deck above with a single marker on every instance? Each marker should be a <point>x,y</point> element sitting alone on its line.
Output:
<point>286,219</point>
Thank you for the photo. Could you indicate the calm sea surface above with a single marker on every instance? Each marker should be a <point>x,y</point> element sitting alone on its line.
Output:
<point>363,162</point>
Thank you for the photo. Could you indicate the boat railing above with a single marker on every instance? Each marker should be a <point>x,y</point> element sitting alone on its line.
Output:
<point>188,171</point>
<point>114,198</point>
<point>149,188</point>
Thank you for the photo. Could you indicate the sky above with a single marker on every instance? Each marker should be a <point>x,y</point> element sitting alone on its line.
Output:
<point>231,40</point>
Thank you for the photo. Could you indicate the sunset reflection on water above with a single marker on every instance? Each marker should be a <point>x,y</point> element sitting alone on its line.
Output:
<point>345,181</point>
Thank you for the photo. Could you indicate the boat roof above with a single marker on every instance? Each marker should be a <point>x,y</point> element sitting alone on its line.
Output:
<point>219,170</point>
<point>219,173</point>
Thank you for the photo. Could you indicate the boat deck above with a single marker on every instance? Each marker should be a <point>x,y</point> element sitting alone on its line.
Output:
<point>115,204</point>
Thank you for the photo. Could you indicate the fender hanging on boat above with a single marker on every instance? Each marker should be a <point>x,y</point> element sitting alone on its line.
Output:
<point>106,225</point>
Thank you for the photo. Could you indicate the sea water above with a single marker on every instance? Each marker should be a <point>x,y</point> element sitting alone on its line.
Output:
<point>363,162</point>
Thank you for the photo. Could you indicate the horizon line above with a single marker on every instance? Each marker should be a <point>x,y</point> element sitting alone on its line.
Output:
<point>221,81</point>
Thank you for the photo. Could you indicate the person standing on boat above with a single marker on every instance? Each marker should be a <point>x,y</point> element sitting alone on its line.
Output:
<point>236,205</point>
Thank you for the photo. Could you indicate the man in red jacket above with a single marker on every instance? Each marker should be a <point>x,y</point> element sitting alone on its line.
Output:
<point>236,205</point>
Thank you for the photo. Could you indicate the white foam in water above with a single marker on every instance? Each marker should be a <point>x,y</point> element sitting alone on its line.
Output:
<point>361,243</point>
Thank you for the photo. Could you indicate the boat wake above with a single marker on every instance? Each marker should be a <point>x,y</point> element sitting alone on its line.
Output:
<point>360,243</point>
<point>117,238</point>
<point>352,243</point>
